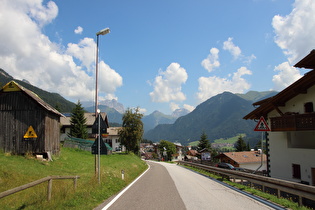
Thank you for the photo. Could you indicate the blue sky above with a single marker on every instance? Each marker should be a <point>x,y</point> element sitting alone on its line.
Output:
<point>159,55</point>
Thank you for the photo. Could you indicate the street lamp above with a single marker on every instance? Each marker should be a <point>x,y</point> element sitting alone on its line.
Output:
<point>101,32</point>
<point>97,111</point>
<point>99,146</point>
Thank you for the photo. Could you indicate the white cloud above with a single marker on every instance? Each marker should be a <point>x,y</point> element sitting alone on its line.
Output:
<point>84,51</point>
<point>78,30</point>
<point>212,61</point>
<point>295,32</point>
<point>32,56</point>
<point>174,106</point>
<point>286,76</point>
<point>167,85</point>
<point>211,86</point>
<point>230,46</point>
<point>189,107</point>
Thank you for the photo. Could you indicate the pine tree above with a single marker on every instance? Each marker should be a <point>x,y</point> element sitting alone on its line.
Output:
<point>132,130</point>
<point>240,145</point>
<point>78,127</point>
<point>204,142</point>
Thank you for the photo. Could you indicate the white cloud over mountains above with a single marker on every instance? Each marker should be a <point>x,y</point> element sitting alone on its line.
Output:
<point>44,63</point>
<point>167,85</point>
<point>213,85</point>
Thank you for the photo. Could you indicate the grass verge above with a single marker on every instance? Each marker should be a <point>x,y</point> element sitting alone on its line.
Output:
<point>281,201</point>
<point>18,170</point>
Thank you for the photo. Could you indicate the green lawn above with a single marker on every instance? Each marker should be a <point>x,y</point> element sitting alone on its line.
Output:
<point>18,170</point>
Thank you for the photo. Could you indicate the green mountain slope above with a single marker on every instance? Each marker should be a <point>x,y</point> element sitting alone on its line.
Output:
<point>219,117</point>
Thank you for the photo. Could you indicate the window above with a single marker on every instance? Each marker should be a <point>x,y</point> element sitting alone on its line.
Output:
<point>308,107</point>
<point>296,171</point>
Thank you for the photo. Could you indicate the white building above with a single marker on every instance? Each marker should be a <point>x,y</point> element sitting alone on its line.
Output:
<point>113,139</point>
<point>291,118</point>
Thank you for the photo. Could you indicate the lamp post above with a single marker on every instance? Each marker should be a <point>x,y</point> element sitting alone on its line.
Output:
<point>97,111</point>
<point>101,32</point>
<point>99,146</point>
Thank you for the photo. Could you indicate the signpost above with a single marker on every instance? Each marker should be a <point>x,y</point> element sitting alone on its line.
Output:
<point>261,126</point>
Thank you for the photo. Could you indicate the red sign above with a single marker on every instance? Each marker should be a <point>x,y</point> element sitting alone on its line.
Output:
<point>262,125</point>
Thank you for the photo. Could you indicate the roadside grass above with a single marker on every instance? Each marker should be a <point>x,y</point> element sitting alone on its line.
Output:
<point>19,170</point>
<point>280,201</point>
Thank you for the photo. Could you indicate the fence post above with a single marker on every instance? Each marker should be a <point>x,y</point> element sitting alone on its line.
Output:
<point>49,189</point>
<point>75,182</point>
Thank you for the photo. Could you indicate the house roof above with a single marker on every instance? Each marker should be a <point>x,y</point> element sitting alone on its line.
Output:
<point>13,86</point>
<point>113,131</point>
<point>298,87</point>
<point>90,119</point>
<point>243,157</point>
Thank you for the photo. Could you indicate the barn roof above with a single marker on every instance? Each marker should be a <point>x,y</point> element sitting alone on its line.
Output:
<point>298,87</point>
<point>13,86</point>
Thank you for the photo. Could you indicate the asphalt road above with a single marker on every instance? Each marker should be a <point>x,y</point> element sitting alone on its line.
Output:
<point>169,186</point>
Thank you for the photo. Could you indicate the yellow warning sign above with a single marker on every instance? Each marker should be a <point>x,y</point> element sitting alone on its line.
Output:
<point>11,87</point>
<point>30,133</point>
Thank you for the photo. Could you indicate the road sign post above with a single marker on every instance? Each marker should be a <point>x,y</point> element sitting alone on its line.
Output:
<point>263,127</point>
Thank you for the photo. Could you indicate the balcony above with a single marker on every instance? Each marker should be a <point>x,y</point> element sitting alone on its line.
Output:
<point>295,122</point>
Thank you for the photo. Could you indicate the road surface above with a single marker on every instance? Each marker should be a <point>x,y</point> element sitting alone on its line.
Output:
<point>170,186</point>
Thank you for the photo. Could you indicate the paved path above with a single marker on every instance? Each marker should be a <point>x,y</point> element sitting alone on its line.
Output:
<point>169,186</point>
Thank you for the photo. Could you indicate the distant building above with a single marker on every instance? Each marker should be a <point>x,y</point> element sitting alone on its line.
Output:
<point>28,124</point>
<point>90,119</point>
<point>113,139</point>
<point>249,159</point>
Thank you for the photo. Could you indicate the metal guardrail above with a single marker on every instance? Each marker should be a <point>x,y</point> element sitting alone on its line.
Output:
<point>300,190</point>
<point>37,182</point>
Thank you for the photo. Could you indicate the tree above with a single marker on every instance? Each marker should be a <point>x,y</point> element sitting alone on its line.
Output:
<point>78,127</point>
<point>240,145</point>
<point>204,142</point>
<point>132,130</point>
<point>168,147</point>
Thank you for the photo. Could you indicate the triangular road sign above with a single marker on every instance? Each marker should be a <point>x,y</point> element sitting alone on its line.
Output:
<point>30,133</point>
<point>262,125</point>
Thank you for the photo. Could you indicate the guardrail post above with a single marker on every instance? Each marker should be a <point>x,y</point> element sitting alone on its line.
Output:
<point>49,189</point>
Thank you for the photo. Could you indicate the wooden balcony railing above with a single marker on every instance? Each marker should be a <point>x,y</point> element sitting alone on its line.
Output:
<point>295,122</point>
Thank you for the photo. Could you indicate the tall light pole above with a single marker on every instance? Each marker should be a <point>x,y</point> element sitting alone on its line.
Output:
<point>101,32</point>
<point>97,111</point>
<point>99,146</point>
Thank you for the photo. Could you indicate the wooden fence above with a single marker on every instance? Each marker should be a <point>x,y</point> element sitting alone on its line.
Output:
<point>37,182</point>
<point>294,188</point>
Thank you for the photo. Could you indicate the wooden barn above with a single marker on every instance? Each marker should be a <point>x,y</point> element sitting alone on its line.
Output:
<point>27,123</point>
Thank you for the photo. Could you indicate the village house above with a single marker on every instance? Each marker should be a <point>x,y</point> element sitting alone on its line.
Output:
<point>291,119</point>
<point>113,139</point>
<point>28,124</point>
<point>90,120</point>
<point>250,160</point>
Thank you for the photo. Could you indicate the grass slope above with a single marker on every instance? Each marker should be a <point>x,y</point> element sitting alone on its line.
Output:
<point>17,170</point>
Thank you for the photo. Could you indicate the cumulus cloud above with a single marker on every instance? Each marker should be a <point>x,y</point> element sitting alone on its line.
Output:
<point>211,86</point>
<point>295,32</point>
<point>167,85</point>
<point>78,30</point>
<point>32,56</point>
<point>230,46</point>
<point>174,106</point>
<point>189,107</point>
<point>84,51</point>
<point>212,61</point>
<point>286,76</point>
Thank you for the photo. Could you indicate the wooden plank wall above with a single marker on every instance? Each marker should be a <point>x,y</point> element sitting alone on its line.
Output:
<point>18,111</point>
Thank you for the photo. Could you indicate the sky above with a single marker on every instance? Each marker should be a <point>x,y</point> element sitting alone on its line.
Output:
<point>159,55</point>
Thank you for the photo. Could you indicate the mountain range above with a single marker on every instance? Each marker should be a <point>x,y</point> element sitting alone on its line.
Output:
<point>220,116</point>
